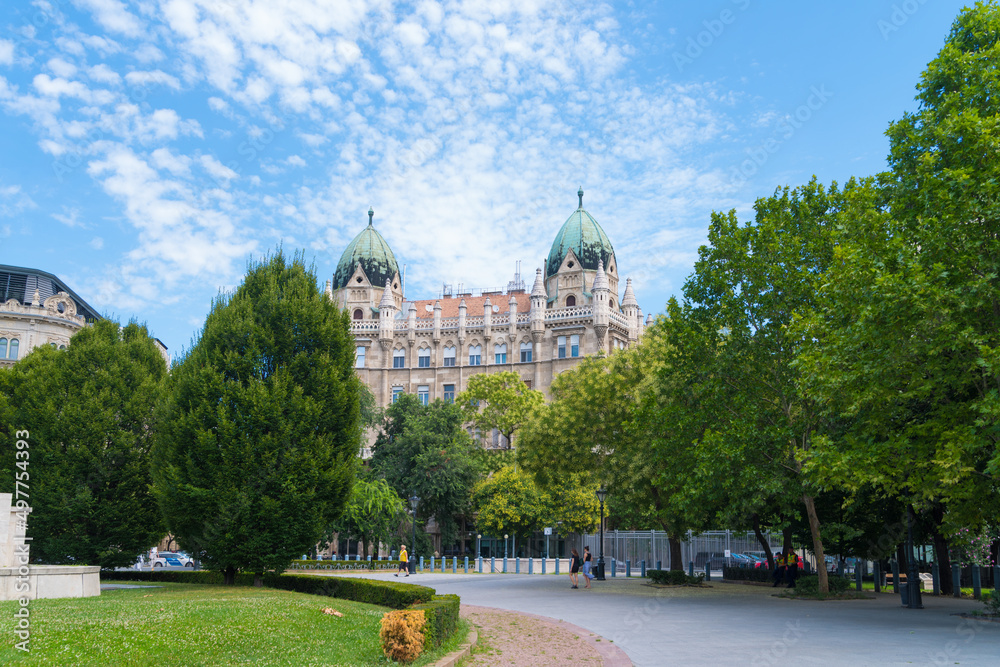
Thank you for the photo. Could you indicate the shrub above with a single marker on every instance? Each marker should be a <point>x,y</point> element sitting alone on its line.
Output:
<point>674,577</point>
<point>809,584</point>
<point>992,601</point>
<point>392,594</point>
<point>746,573</point>
<point>441,619</point>
<point>335,565</point>
<point>402,634</point>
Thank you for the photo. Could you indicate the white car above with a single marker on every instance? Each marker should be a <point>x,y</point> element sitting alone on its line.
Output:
<point>172,558</point>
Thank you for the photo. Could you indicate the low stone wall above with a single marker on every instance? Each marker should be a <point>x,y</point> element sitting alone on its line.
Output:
<point>50,581</point>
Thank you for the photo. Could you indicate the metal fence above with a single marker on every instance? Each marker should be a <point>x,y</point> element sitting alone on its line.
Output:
<point>653,546</point>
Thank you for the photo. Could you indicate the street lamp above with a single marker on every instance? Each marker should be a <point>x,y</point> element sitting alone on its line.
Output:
<point>505,545</point>
<point>414,501</point>
<point>479,551</point>
<point>602,493</point>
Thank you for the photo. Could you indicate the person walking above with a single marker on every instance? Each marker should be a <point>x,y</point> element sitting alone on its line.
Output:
<point>574,569</point>
<point>779,570</point>
<point>588,566</point>
<point>791,568</point>
<point>403,561</point>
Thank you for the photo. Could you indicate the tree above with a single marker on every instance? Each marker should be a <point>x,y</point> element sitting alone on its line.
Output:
<point>372,515</point>
<point>425,450</point>
<point>507,502</point>
<point>89,411</point>
<point>499,401</point>
<point>258,439</point>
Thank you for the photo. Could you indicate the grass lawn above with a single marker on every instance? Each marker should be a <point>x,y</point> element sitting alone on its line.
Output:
<point>188,624</point>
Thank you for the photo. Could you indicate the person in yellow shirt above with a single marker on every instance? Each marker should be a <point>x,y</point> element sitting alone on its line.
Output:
<point>779,569</point>
<point>403,561</point>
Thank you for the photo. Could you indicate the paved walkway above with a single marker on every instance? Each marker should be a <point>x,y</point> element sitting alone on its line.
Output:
<point>733,624</point>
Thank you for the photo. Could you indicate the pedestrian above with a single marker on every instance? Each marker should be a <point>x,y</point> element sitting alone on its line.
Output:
<point>588,566</point>
<point>791,568</point>
<point>779,570</point>
<point>403,561</point>
<point>574,569</point>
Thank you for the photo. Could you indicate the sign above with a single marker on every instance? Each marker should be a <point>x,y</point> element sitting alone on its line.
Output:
<point>729,554</point>
<point>548,531</point>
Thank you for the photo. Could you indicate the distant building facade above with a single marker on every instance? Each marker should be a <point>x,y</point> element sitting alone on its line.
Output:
<point>432,347</point>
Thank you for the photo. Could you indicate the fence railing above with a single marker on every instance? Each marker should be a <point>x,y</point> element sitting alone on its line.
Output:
<point>653,546</point>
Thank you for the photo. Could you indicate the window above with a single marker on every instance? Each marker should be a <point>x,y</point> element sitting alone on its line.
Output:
<point>527,383</point>
<point>424,394</point>
<point>396,393</point>
<point>500,353</point>
<point>3,348</point>
<point>424,357</point>
<point>561,341</point>
<point>359,314</point>
<point>570,301</point>
<point>399,358</point>
<point>574,346</point>
<point>12,353</point>
<point>475,355</point>
<point>449,356</point>
<point>359,356</point>
<point>449,393</point>
<point>525,353</point>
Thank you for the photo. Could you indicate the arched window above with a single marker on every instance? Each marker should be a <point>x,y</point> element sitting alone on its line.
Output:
<point>399,358</point>
<point>359,314</point>
<point>424,357</point>
<point>570,301</point>
<point>3,348</point>
<point>14,343</point>
<point>500,353</point>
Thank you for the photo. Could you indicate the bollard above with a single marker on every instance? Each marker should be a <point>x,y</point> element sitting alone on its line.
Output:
<point>956,579</point>
<point>895,575</point>
<point>531,566</point>
<point>877,576</point>
<point>690,568</point>
<point>659,565</point>
<point>505,565</point>
<point>517,566</point>
<point>369,559</point>
<point>454,565</point>
<point>614,569</point>
<point>543,565</point>
<point>935,579</point>
<point>643,569</point>
<point>708,570</point>
<point>557,566</point>
<point>857,578</point>
<point>977,583</point>
<point>432,564</point>
<point>628,568</point>
<point>480,564</point>
<point>466,565</point>
<point>493,564</point>
<point>421,564</point>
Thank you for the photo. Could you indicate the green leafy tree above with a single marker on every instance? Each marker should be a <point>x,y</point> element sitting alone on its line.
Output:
<point>507,502</point>
<point>425,450</point>
<point>372,515</point>
<point>499,401</point>
<point>89,411</point>
<point>259,436</point>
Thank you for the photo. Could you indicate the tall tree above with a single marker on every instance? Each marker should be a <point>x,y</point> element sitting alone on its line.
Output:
<point>499,401</point>
<point>372,515</point>
<point>259,436</point>
<point>89,411</point>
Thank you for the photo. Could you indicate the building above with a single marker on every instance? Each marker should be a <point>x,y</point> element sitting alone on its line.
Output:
<point>36,308</point>
<point>431,347</point>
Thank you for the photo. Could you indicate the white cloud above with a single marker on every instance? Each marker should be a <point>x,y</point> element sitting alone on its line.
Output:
<point>179,165</point>
<point>70,217</point>
<point>96,243</point>
<point>62,68</point>
<point>6,52</point>
<point>13,201</point>
<point>113,15</point>
<point>156,77</point>
<point>218,104</point>
<point>295,161</point>
<point>104,74</point>
<point>216,169</point>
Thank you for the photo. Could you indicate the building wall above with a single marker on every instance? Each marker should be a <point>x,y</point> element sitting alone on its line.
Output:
<point>52,322</point>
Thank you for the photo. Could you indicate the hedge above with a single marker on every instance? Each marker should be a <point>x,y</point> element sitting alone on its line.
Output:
<point>747,573</point>
<point>344,565</point>
<point>674,577</point>
<point>441,619</point>
<point>395,595</point>
<point>809,584</point>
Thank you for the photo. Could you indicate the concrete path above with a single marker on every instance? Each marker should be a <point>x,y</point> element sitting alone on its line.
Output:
<point>733,624</point>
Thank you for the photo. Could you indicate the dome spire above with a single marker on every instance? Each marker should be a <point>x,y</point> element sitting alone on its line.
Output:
<point>387,300</point>
<point>371,214</point>
<point>579,193</point>
<point>538,289</point>
<point>601,279</point>
<point>628,299</point>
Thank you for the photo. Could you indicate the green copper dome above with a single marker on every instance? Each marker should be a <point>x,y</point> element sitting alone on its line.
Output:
<point>371,251</point>
<point>584,236</point>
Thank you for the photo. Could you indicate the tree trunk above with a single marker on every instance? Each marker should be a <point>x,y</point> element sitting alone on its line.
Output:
<point>229,576</point>
<point>941,555</point>
<point>675,552</point>
<point>824,582</point>
<point>258,579</point>
<point>764,544</point>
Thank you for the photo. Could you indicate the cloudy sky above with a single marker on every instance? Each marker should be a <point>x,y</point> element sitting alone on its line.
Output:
<point>150,148</point>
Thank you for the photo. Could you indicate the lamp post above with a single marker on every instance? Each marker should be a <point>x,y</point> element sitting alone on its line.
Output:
<point>414,501</point>
<point>505,546</point>
<point>479,551</point>
<point>602,493</point>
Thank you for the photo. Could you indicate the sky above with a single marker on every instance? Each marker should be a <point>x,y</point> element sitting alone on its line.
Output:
<point>150,149</point>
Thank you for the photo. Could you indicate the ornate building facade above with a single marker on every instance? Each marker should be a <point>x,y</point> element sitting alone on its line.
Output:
<point>431,347</point>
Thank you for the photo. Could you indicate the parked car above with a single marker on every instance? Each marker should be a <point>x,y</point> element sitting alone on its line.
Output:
<point>173,559</point>
<point>716,559</point>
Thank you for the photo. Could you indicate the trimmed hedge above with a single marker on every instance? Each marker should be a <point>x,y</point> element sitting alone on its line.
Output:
<point>441,619</point>
<point>747,573</point>
<point>809,584</point>
<point>395,595</point>
<point>674,577</point>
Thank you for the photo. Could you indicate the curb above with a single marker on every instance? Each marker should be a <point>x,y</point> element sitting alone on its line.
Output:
<point>462,652</point>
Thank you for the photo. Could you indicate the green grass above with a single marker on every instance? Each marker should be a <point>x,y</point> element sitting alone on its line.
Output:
<point>185,624</point>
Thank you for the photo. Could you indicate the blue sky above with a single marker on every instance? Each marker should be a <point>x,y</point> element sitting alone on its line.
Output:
<point>150,148</point>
